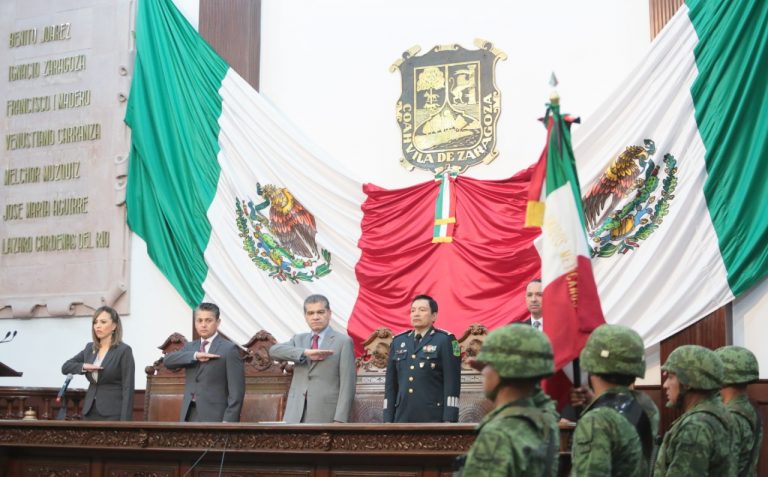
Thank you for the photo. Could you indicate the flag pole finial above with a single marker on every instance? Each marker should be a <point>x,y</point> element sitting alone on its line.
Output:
<point>554,97</point>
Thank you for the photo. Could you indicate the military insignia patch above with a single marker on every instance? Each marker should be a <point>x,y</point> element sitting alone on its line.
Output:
<point>629,202</point>
<point>449,107</point>
<point>282,241</point>
<point>456,348</point>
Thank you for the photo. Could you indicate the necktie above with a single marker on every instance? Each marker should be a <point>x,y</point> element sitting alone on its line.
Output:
<point>315,339</point>
<point>203,344</point>
<point>418,339</point>
<point>537,325</point>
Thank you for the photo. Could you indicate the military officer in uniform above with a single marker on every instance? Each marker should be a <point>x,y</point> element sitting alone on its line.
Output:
<point>613,436</point>
<point>423,370</point>
<point>739,369</point>
<point>520,437</point>
<point>699,443</point>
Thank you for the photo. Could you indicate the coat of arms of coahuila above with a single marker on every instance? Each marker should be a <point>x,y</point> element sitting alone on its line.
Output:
<point>449,107</point>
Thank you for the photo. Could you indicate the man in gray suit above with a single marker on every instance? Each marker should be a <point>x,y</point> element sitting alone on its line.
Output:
<point>214,385</point>
<point>323,384</point>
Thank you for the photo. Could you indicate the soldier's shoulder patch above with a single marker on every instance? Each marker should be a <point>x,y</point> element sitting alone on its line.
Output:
<point>402,333</point>
<point>456,348</point>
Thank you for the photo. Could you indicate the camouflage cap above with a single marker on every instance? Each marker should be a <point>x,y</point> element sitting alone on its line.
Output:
<point>518,351</point>
<point>614,349</point>
<point>696,366</point>
<point>739,365</point>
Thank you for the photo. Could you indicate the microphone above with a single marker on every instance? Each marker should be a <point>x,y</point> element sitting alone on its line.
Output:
<point>9,337</point>
<point>64,388</point>
<point>223,452</point>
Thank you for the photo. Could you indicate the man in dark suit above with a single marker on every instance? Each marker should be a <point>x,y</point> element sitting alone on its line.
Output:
<point>423,370</point>
<point>323,383</point>
<point>533,297</point>
<point>569,400</point>
<point>214,386</point>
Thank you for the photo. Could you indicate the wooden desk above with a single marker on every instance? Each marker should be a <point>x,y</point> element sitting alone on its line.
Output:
<point>95,449</point>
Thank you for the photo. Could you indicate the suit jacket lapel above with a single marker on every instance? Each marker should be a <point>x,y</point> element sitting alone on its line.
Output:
<point>108,358</point>
<point>200,366</point>
<point>308,340</point>
<point>91,354</point>
<point>330,337</point>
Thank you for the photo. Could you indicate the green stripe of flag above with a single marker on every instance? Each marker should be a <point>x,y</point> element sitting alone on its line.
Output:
<point>173,111</point>
<point>730,96</point>
<point>561,165</point>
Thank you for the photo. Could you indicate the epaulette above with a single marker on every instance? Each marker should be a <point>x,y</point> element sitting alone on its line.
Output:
<point>401,334</point>
<point>438,330</point>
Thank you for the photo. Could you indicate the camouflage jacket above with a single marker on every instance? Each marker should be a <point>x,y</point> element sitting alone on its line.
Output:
<point>747,433</point>
<point>605,443</point>
<point>545,403</point>
<point>699,443</point>
<point>515,439</point>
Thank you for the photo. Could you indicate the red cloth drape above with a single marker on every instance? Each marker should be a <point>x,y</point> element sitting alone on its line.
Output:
<point>478,278</point>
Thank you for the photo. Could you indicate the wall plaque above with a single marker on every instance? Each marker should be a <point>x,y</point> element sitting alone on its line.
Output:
<point>64,243</point>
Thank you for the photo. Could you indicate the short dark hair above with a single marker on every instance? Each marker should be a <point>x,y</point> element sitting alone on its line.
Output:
<point>432,302</point>
<point>316,299</point>
<point>535,280</point>
<point>619,379</point>
<point>207,307</point>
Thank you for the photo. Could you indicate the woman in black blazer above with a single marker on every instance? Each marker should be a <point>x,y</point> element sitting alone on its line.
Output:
<point>108,365</point>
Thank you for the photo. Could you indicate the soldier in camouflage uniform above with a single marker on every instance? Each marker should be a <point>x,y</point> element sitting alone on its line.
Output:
<point>739,369</point>
<point>699,443</point>
<point>613,436</point>
<point>517,438</point>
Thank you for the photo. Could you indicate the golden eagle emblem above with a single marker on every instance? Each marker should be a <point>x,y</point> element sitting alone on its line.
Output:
<point>283,241</point>
<point>625,206</point>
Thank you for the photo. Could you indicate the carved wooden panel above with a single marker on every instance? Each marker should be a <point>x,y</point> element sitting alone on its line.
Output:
<point>471,342</point>
<point>60,468</point>
<point>117,469</point>
<point>376,472</point>
<point>375,352</point>
<point>254,471</point>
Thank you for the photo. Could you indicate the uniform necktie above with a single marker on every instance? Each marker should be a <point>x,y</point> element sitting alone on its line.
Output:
<point>315,339</point>
<point>203,344</point>
<point>418,339</point>
<point>537,325</point>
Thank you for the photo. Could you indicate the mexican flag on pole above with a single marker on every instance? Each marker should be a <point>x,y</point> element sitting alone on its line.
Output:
<point>570,304</point>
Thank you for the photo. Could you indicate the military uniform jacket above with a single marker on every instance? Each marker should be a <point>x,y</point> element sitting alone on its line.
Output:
<point>748,435</point>
<point>699,443</point>
<point>605,443</point>
<point>515,439</point>
<point>423,381</point>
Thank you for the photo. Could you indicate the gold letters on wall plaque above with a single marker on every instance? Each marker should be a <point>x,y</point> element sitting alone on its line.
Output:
<point>63,237</point>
